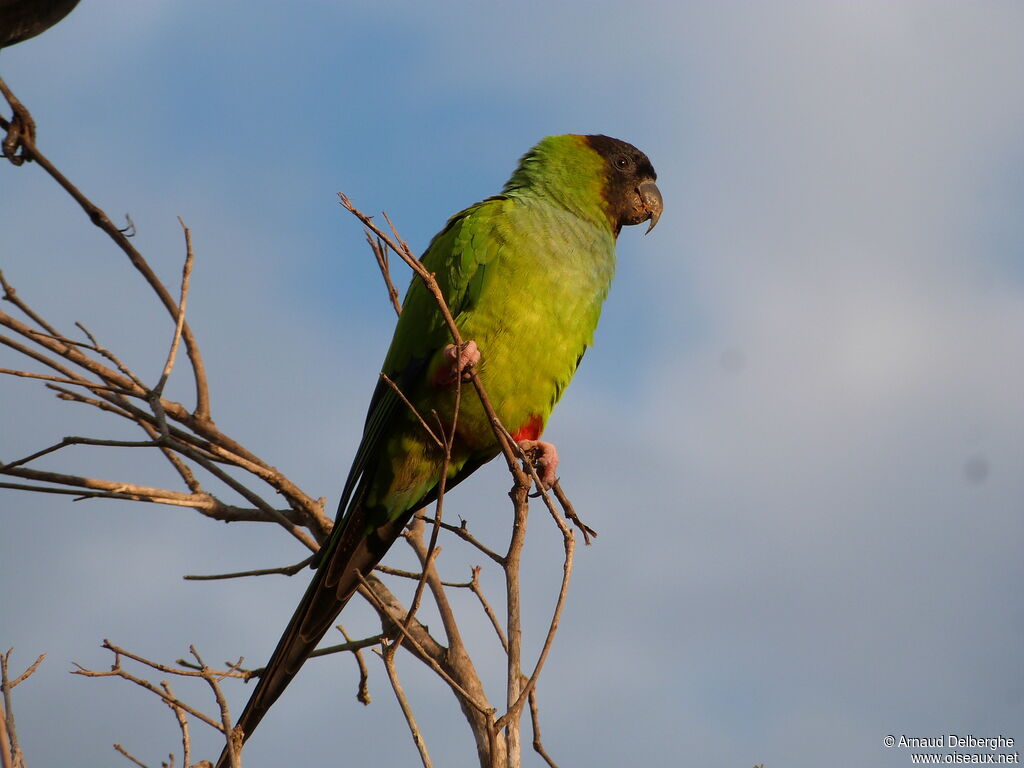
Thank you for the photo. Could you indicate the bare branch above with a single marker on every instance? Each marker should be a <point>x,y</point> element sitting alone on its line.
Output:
<point>61,380</point>
<point>118,671</point>
<point>538,745</point>
<point>179,325</point>
<point>462,531</point>
<point>388,655</point>
<point>570,513</point>
<point>130,756</point>
<point>204,503</point>
<point>404,399</point>
<point>363,691</point>
<point>380,253</point>
<point>179,714</point>
<point>11,752</point>
<point>417,575</point>
<point>28,672</point>
<point>101,220</point>
<point>491,615</point>
<point>286,570</point>
<point>212,679</point>
<point>408,635</point>
<point>11,296</point>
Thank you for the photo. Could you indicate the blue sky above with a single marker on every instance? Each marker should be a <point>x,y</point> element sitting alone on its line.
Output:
<point>772,435</point>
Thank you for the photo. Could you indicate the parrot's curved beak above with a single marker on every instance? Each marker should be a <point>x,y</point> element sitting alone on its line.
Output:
<point>650,198</point>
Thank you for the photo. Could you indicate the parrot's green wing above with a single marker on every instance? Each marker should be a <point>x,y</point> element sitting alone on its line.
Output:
<point>458,260</point>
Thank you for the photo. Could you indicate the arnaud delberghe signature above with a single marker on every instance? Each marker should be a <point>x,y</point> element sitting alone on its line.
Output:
<point>950,740</point>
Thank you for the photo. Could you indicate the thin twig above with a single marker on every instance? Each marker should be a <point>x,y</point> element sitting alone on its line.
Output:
<point>570,512</point>
<point>491,615</point>
<point>387,653</point>
<point>363,691</point>
<point>179,714</point>
<point>11,295</point>
<point>417,575</point>
<point>538,745</point>
<point>380,252</point>
<point>404,399</point>
<point>101,220</point>
<point>354,645</point>
<point>62,380</point>
<point>211,678</point>
<point>130,756</point>
<point>462,531</point>
<point>12,753</point>
<point>431,662</point>
<point>179,325</point>
<point>286,570</point>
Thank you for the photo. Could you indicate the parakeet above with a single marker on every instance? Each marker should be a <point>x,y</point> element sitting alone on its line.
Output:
<point>524,273</point>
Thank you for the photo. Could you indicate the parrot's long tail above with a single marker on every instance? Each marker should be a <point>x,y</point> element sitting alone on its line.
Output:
<point>354,554</point>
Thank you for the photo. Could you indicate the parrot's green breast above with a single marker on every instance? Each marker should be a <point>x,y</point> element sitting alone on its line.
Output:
<point>536,312</point>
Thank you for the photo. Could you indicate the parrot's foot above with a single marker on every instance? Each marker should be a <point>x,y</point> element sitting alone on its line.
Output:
<point>21,128</point>
<point>464,358</point>
<point>544,458</point>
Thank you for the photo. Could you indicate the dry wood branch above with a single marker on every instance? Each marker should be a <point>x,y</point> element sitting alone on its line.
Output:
<point>427,557</point>
<point>429,576</point>
<point>10,751</point>
<point>509,722</point>
<point>115,386</point>
<point>179,324</point>
<point>204,503</point>
<point>11,295</point>
<point>6,753</point>
<point>179,714</point>
<point>405,400</point>
<point>130,756</point>
<point>488,610</point>
<point>101,220</point>
<point>570,513</point>
<point>94,346</point>
<point>213,680</point>
<point>286,570</point>
<point>462,531</point>
<point>363,691</point>
<point>409,636</point>
<point>380,253</point>
<point>417,575</point>
<point>61,380</point>
<point>212,677</point>
<point>387,653</point>
<point>351,646</point>
<point>538,745</point>
<point>20,131</point>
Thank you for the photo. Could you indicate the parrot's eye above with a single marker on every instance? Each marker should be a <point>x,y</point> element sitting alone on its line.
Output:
<point>622,162</point>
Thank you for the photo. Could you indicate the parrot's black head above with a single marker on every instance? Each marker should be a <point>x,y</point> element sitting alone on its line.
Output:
<point>630,191</point>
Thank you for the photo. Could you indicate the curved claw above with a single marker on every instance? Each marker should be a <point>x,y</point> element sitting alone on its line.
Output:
<point>463,358</point>
<point>21,131</point>
<point>545,459</point>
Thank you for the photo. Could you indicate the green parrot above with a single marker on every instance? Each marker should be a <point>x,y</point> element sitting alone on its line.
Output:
<point>524,273</point>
